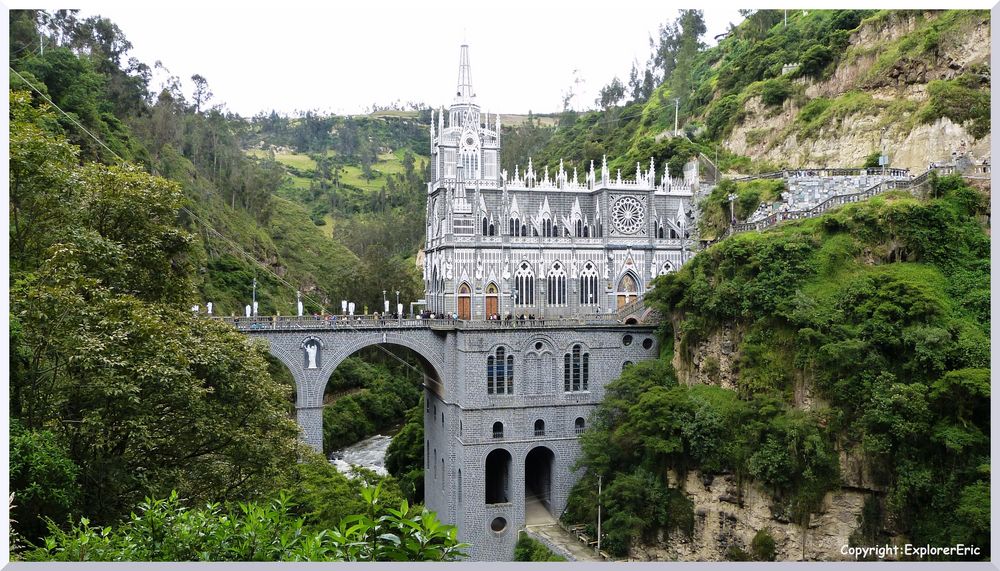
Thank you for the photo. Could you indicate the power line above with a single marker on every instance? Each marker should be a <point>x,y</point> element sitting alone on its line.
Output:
<point>236,246</point>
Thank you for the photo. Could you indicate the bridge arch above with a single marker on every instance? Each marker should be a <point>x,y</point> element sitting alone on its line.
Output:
<point>330,348</point>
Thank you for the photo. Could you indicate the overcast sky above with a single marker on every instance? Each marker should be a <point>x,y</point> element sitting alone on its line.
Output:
<point>343,57</point>
<point>294,55</point>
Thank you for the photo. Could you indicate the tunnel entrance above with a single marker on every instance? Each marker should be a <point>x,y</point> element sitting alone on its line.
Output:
<point>538,486</point>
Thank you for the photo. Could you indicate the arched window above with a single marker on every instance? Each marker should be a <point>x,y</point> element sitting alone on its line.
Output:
<point>557,285</point>
<point>580,425</point>
<point>510,230</point>
<point>586,231</point>
<point>493,230</point>
<point>667,268</point>
<point>588,285</point>
<point>486,226</point>
<point>539,427</point>
<point>579,228</point>
<point>500,373</point>
<point>498,429</point>
<point>659,231</point>
<point>524,284</point>
<point>555,230</point>
<point>600,229</point>
<point>673,234</point>
<point>524,229</point>
<point>576,370</point>
<point>547,227</point>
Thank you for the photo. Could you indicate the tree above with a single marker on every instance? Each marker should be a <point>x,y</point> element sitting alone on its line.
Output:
<point>201,91</point>
<point>144,396</point>
<point>610,94</point>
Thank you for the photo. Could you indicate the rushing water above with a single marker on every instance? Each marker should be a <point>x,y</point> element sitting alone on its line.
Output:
<point>369,453</point>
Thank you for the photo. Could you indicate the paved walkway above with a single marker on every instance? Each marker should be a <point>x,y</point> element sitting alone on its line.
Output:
<point>540,525</point>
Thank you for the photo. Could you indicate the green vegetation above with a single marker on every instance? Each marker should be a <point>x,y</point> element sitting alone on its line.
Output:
<point>377,396</point>
<point>715,214</point>
<point>527,549</point>
<point>883,308</point>
<point>965,98</point>
<point>404,458</point>
<point>167,530</point>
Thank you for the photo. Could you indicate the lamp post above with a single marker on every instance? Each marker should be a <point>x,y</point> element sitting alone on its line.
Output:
<point>385,303</point>
<point>732,213</point>
<point>254,299</point>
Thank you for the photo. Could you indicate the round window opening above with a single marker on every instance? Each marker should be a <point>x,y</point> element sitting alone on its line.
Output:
<point>647,343</point>
<point>627,340</point>
<point>538,346</point>
<point>498,524</point>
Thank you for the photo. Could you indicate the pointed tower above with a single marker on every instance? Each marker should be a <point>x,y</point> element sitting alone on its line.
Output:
<point>464,93</point>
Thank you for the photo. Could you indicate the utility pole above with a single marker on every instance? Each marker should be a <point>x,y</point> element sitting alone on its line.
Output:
<point>677,107</point>
<point>599,515</point>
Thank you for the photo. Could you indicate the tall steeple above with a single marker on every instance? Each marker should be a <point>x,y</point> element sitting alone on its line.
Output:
<point>464,94</point>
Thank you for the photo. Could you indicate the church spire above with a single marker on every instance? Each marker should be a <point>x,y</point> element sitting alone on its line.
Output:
<point>464,92</point>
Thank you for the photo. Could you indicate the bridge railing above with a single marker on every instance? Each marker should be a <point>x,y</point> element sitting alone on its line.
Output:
<point>304,323</point>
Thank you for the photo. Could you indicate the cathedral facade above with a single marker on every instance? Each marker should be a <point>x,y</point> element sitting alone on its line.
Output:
<point>502,425</point>
<point>557,244</point>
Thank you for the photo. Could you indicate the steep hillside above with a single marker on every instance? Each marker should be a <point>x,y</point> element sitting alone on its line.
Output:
<point>825,382</point>
<point>914,84</point>
<point>829,88</point>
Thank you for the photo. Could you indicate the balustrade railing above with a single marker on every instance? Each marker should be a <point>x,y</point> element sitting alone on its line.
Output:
<point>292,323</point>
<point>829,203</point>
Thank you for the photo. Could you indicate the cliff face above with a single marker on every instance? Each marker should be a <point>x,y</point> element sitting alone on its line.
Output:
<point>876,94</point>
<point>723,522</point>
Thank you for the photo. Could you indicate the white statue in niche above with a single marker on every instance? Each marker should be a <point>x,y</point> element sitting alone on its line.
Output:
<point>311,349</point>
<point>506,268</point>
<point>479,267</point>
<point>572,273</point>
<point>447,268</point>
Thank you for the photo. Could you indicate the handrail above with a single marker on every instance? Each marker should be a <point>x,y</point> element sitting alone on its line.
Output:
<point>367,322</point>
<point>829,203</point>
<point>827,172</point>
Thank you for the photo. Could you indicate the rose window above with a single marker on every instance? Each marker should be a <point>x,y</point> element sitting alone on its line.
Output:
<point>627,214</point>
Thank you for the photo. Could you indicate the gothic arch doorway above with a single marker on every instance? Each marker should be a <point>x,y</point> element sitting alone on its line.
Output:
<point>492,300</point>
<point>538,485</point>
<point>498,477</point>
<point>628,289</point>
<point>464,301</point>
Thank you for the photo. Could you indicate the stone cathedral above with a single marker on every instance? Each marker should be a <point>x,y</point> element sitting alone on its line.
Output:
<point>568,248</point>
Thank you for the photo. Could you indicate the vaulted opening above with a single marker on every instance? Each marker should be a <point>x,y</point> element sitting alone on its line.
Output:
<point>498,477</point>
<point>538,485</point>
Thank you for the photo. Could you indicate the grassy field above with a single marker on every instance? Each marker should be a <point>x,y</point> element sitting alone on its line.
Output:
<point>294,160</point>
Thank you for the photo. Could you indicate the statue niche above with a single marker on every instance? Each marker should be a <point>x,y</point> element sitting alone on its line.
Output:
<point>312,349</point>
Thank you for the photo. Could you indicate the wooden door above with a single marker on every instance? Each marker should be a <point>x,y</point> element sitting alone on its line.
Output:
<point>464,307</point>
<point>492,305</point>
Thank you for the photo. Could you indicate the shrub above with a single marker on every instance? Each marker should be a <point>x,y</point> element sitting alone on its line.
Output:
<point>166,530</point>
<point>775,91</point>
<point>527,549</point>
<point>762,546</point>
<point>815,60</point>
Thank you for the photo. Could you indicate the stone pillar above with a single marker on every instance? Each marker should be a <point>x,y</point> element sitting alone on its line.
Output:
<point>310,419</point>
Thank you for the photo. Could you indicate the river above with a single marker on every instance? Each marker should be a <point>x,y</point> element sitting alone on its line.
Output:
<point>369,453</point>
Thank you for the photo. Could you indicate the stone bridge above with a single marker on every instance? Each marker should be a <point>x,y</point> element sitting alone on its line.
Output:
<point>312,348</point>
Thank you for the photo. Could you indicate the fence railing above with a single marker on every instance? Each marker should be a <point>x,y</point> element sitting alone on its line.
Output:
<point>832,202</point>
<point>293,323</point>
<point>792,173</point>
